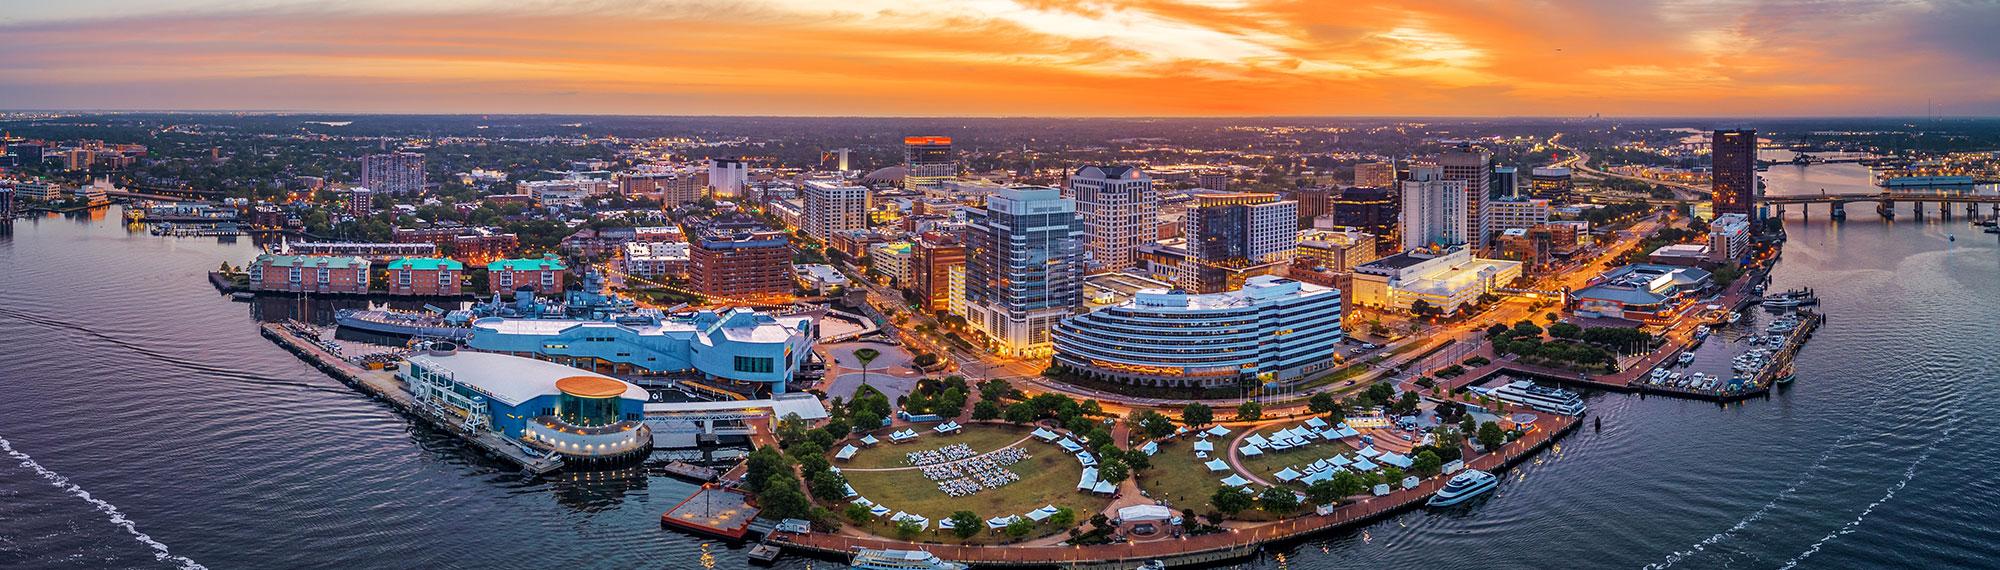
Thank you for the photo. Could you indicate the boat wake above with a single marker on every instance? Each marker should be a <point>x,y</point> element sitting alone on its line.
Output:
<point>1908,474</point>
<point>1811,473</point>
<point>160,551</point>
<point>157,355</point>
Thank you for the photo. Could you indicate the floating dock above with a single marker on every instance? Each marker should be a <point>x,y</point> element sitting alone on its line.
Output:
<point>385,387</point>
<point>713,510</point>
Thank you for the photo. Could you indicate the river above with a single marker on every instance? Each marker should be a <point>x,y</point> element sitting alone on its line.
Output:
<point>147,425</point>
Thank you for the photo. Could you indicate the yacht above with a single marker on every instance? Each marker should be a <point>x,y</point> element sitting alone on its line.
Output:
<point>1687,358</point>
<point>1463,487</point>
<point>1544,398</point>
<point>1659,374</point>
<point>869,559</point>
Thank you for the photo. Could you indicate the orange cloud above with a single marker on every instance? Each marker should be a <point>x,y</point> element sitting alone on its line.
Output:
<point>1004,57</point>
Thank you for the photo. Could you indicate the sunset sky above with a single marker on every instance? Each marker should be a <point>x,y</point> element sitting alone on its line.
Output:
<point>1007,57</point>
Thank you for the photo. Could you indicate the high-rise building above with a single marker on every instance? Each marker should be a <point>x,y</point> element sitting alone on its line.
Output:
<point>671,188</point>
<point>937,254</point>
<point>1375,174</point>
<point>360,201</point>
<point>1549,182</point>
<point>1120,212</point>
<point>1506,182</point>
<point>1734,177</point>
<point>1213,180</point>
<point>930,161</point>
<point>727,176</point>
<point>1313,202</point>
<point>1231,237</point>
<point>1371,209</point>
<point>1474,166</point>
<point>394,174</point>
<point>1024,267</point>
<point>1433,209</point>
<point>1516,213</point>
<point>832,207</point>
<point>1728,238</point>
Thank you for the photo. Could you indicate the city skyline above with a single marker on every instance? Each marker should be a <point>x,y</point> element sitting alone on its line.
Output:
<point>1008,58</point>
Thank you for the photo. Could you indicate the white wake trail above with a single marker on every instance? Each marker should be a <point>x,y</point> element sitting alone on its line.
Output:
<point>1811,472</point>
<point>1908,474</point>
<point>160,551</point>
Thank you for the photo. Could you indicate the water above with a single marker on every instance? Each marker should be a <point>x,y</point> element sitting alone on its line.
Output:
<point>129,379</point>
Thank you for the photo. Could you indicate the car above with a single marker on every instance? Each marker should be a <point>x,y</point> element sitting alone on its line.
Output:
<point>1358,350</point>
<point>1369,346</point>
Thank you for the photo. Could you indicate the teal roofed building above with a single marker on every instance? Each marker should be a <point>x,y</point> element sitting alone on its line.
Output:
<point>309,273</point>
<point>542,275</point>
<point>429,276</point>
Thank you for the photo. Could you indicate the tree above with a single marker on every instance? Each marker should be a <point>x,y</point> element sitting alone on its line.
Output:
<point>995,390</point>
<point>1490,436</point>
<point>950,403</point>
<point>1496,330</point>
<point>857,513</point>
<point>1020,413</point>
<point>1424,308</point>
<point>1197,414</point>
<point>1249,411</point>
<point>1527,329</point>
<point>907,529</point>
<point>1152,424</point>
<point>1392,474</point>
<point>866,355</point>
<point>1426,463</point>
<point>1408,403</point>
<point>1322,403</point>
<point>791,430</point>
<point>1064,517</point>
<point>1230,500</point>
<point>829,486</point>
<point>1279,500</point>
<point>762,464</point>
<point>1565,330</point>
<point>1323,492</point>
<point>1020,527</point>
<point>964,524</point>
<point>780,498</point>
<point>1348,484</point>
<point>986,410</point>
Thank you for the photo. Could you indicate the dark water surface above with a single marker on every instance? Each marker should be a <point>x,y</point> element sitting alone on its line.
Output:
<point>147,425</point>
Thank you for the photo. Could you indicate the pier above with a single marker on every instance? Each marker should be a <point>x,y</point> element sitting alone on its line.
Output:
<point>385,387</point>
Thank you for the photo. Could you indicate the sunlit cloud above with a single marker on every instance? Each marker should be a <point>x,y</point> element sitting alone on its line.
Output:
<point>1004,57</point>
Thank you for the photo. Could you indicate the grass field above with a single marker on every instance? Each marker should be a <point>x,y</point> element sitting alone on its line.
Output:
<point>1048,477</point>
<point>1179,478</point>
<point>980,437</point>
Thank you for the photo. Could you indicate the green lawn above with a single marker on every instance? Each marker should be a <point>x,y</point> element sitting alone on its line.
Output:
<point>1181,479</point>
<point>1048,477</point>
<point>981,438</point>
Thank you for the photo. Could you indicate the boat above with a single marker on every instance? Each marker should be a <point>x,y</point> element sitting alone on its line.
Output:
<point>870,559</point>
<point>1687,358</point>
<point>454,325</point>
<point>1544,398</point>
<point>1463,487</point>
<point>1786,376</point>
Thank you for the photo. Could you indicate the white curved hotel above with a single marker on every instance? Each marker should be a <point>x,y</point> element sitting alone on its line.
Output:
<point>1273,330</point>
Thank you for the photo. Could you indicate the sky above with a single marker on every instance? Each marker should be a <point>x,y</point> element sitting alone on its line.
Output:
<point>1008,57</point>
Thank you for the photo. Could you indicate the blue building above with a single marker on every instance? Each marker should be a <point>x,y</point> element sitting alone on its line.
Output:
<point>741,348</point>
<point>1273,330</point>
<point>575,413</point>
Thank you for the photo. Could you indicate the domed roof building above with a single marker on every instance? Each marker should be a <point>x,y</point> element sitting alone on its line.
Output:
<point>886,175</point>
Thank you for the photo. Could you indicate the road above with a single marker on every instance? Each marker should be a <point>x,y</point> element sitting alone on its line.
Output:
<point>1580,161</point>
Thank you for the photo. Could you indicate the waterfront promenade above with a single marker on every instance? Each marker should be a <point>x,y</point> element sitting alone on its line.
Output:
<point>1208,548</point>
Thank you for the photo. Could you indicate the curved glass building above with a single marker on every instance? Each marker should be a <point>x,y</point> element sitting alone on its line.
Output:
<point>1273,330</point>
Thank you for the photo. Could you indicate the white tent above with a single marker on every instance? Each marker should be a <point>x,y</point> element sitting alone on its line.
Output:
<point>846,453</point>
<point>1137,513</point>
<point>1316,423</point>
<point>1070,445</point>
<point>1257,439</point>
<point>1000,522</point>
<point>1088,480</point>
<point>1287,475</point>
<point>1104,488</point>
<point>946,524</point>
<point>1218,431</point>
<point>1395,459</point>
<point>863,501</point>
<point>1365,465</point>
<point>1086,459</point>
<point>1250,450</point>
<point>1368,451</point>
<point>1235,481</point>
<point>1044,434</point>
<point>1330,433</point>
<point>1204,445</point>
<point>851,492</point>
<point>879,510</point>
<point>1150,448</point>
<point>1217,465</point>
<point>1339,461</point>
<point>869,440</point>
<point>1041,514</point>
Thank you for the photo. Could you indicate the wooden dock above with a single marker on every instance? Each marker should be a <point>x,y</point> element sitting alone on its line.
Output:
<point>385,387</point>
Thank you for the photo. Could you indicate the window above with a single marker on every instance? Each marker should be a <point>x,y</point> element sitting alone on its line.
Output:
<point>548,278</point>
<point>403,278</point>
<point>324,276</point>
<point>294,274</point>
<point>444,277</point>
<point>753,364</point>
<point>506,278</point>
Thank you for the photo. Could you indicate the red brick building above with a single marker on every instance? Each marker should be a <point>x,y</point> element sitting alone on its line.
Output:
<point>429,276</point>
<point>544,276</point>
<point>737,263</point>
<point>930,269</point>
<point>309,274</point>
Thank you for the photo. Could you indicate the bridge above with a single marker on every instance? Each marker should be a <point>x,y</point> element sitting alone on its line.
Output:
<point>1886,201</point>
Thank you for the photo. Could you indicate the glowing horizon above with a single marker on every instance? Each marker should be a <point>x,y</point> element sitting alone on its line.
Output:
<point>1009,57</point>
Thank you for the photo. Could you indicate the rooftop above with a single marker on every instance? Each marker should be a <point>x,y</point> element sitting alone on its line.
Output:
<point>513,379</point>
